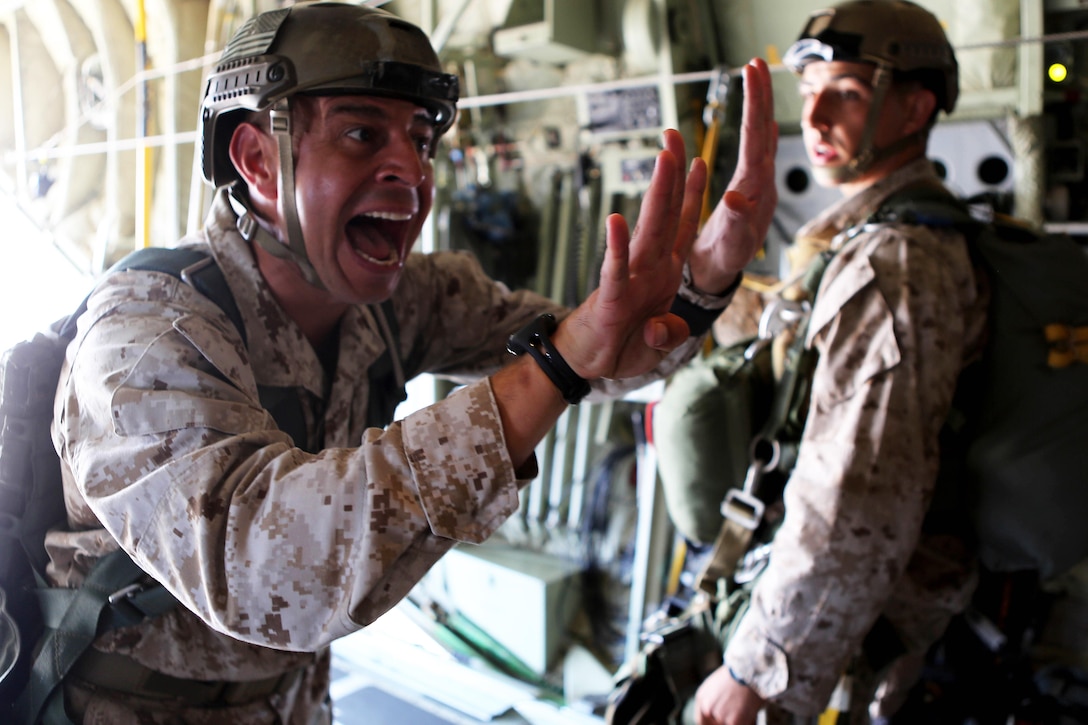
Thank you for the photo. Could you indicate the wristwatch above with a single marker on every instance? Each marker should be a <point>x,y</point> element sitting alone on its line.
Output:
<point>535,339</point>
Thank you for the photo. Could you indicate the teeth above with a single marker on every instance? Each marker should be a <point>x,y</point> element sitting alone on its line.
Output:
<point>389,216</point>
<point>391,262</point>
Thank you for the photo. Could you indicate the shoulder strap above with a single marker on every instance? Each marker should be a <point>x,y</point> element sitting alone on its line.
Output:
<point>386,375</point>
<point>930,205</point>
<point>196,268</point>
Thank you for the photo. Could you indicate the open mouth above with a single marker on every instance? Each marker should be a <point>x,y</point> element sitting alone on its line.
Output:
<point>823,153</point>
<point>378,237</point>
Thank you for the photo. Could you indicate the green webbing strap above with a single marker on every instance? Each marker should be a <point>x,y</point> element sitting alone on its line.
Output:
<point>78,628</point>
<point>192,266</point>
<point>135,606</point>
<point>386,375</point>
<point>734,538</point>
<point>790,397</point>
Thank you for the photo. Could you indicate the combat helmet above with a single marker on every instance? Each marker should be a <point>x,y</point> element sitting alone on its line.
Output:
<point>903,40</point>
<point>312,48</point>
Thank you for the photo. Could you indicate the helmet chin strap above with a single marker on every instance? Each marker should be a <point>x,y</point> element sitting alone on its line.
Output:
<point>294,248</point>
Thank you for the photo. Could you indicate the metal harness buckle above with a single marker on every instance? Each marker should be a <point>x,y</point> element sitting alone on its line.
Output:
<point>742,505</point>
<point>743,508</point>
<point>779,315</point>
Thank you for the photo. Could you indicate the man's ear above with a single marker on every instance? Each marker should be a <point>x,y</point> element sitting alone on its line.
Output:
<point>254,155</point>
<point>921,104</point>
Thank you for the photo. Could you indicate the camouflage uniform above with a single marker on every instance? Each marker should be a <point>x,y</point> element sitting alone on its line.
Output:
<point>898,314</point>
<point>275,551</point>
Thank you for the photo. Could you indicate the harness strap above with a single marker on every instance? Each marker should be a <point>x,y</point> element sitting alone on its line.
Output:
<point>129,605</point>
<point>387,377</point>
<point>738,527</point>
<point>77,629</point>
<point>733,540</point>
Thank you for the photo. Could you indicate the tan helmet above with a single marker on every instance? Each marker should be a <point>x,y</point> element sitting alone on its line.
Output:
<point>322,47</point>
<point>895,34</point>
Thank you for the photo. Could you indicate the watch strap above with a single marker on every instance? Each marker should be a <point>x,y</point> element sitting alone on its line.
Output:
<point>535,339</point>
<point>699,318</point>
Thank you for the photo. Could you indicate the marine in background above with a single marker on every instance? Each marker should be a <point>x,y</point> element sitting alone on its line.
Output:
<point>898,315</point>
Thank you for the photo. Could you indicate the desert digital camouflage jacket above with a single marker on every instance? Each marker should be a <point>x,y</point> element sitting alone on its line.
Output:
<point>898,314</point>
<point>274,552</point>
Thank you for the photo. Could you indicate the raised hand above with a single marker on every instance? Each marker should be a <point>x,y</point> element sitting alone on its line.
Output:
<point>624,329</point>
<point>738,226</point>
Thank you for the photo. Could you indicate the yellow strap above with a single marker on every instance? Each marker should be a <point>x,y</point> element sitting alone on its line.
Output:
<point>839,704</point>
<point>713,113</point>
<point>676,567</point>
<point>709,153</point>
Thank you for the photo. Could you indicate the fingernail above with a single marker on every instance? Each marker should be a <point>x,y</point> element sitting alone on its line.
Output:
<point>660,333</point>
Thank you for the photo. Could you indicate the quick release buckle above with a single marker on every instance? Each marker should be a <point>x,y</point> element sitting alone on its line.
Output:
<point>742,506</point>
<point>123,605</point>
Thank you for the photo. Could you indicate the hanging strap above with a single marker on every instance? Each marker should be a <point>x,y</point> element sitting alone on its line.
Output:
<point>713,118</point>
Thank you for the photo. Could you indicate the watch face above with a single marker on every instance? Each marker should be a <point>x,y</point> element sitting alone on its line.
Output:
<point>525,339</point>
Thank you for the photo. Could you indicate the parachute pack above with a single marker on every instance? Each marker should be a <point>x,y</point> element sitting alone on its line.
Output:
<point>1021,413</point>
<point>1016,439</point>
<point>32,502</point>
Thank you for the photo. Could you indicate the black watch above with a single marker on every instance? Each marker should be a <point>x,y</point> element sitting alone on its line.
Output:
<point>535,339</point>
